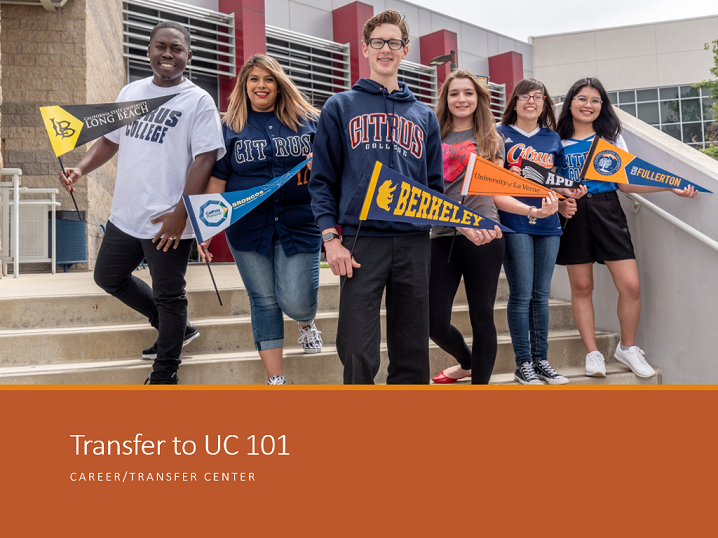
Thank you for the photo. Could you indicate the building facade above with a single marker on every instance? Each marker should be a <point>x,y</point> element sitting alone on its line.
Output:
<point>647,69</point>
<point>63,52</point>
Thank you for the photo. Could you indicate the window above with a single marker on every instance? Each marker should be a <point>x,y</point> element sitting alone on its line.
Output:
<point>684,112</point>
<point>421,80</point>
<point>318,67</point>
<point>212,43</point>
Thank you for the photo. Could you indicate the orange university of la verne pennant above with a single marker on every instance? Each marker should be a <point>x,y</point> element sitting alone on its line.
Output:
<point>484,177</point>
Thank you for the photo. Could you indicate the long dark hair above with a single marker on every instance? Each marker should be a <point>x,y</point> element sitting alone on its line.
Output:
<point>547,117</point>
<point>607,125</point>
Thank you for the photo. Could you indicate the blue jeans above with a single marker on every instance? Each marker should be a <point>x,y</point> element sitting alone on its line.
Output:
<point>529,263</point>
<point>277,283</point>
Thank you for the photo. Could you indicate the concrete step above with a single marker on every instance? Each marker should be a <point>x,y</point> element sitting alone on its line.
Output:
<point>565,351</point>
<point>616,374</point>
<point>97,308</point>
<point>228,334</point>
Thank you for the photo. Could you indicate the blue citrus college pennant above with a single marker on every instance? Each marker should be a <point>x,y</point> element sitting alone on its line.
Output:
<point>394,197</point>
<point>209,214</point>
<point>606,162</point>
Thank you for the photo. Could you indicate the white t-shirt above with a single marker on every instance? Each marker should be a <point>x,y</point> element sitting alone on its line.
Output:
<point>619,143</point>
<point>157,151</point>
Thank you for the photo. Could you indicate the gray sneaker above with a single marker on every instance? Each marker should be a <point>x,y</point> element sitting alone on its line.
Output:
<point>277,380</point>
<point>309,338</point>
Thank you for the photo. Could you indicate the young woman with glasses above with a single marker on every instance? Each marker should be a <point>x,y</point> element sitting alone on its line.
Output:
<point>467,126</point>
<point>598,231</point>
<point>530,256</point>
<point>268,129</point>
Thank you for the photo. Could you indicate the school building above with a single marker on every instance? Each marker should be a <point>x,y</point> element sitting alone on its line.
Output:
<point>60,52</point>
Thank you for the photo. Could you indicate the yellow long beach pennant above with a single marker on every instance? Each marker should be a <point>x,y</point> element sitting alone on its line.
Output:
<point>392,196</point>
<point>71,126</point>
<point>486,178</point>
<point>606,162</point>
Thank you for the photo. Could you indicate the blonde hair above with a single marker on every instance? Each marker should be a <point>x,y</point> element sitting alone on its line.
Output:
<point>487,140</point>
<point>291,106</point>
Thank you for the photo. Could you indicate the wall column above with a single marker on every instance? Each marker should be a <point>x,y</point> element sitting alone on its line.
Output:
<point>349,28</point>
<point>506,68</point>
<point>438,44</point>
<point>250,38</point>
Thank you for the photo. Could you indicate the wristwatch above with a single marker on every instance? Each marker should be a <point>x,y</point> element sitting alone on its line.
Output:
<point>329,236</point>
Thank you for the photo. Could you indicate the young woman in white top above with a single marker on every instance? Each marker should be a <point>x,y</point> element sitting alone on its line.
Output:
<point>598,231</point>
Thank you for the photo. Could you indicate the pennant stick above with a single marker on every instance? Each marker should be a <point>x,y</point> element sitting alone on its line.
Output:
<point>213,282</point>
<point>71,193</point>
<point>453,237</point>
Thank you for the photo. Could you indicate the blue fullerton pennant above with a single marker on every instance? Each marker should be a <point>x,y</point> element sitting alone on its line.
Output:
<point>394,197</point>
<point>209,214</point>
<point>606,162</point>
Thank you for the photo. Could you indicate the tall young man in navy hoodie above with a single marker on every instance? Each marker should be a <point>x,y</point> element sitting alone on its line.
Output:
<point>378,120</point>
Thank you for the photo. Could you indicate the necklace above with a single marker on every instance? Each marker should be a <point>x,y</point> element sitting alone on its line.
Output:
<point>461,137</point>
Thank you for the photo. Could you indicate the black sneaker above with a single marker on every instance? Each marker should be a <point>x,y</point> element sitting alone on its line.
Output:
<point>526,375</point>
<point>173,380</point>
<point>190,333</point>
<point>546,373</point>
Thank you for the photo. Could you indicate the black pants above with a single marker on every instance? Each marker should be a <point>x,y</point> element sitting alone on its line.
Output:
<point>480,267</point>
<point>401,265</point>
<point>165,304</point>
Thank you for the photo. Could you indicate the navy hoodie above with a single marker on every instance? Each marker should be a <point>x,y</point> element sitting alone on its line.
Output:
<point>358,128</point>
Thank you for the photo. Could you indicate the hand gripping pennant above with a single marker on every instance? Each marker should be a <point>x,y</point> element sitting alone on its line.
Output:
<point>547,178</point>
<point>209,214</point>
<point>606,162</point>
<point>71,126</point>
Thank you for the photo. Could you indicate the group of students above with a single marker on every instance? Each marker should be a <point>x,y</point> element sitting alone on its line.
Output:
<point>270,127</point>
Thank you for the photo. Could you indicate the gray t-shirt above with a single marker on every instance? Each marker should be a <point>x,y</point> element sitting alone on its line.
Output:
<point>457,148</point>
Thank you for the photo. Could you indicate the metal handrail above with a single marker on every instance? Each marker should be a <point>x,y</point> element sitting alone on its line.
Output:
<point>639,201</point>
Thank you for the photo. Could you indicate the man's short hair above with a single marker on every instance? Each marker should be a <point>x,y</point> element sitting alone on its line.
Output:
<point>387,17</point>
<point>174,26</point>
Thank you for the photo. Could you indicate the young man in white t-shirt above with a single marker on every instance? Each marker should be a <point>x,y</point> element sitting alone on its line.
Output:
<point>167,153</point>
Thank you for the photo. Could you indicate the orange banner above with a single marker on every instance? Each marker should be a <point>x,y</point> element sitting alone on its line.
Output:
<point>484,177</point>
<point>337,461</point>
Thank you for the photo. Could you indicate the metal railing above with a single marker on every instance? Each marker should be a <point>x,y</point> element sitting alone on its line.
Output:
<point>12,223</point>
<point>212,34</point>
<point>640,201</point>
<point>421,80</point>
<point>318,67</point>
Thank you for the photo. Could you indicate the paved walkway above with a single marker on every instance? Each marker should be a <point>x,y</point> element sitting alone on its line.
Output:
<point>82,283</point>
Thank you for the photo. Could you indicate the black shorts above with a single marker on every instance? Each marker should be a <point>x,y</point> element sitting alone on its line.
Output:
<point>598,232</point>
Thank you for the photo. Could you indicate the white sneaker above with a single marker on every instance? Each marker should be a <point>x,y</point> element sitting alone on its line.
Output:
<point>277,380</point>
<point>595,364</point>
<point>309,338</point>
<point>634,358</point>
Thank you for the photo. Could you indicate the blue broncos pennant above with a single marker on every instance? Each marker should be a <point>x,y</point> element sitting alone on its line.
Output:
<point>209,214</point>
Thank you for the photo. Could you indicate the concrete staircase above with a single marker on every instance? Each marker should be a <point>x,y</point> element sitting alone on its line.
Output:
<point>88,337</point>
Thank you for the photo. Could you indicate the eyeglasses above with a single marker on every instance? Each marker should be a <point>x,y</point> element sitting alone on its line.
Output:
<point>394,44</point>
<point>538,97</point>
<point>584,100</point>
